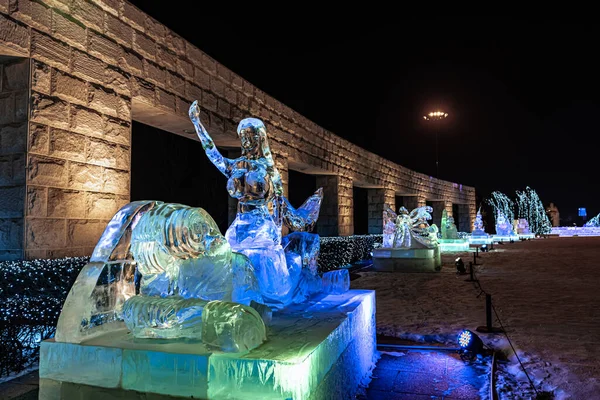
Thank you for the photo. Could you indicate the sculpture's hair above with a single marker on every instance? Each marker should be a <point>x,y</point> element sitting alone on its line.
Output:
<point>262,150</point>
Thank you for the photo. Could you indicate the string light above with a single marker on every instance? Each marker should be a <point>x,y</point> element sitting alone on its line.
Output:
<point>501,202</point>
<point>531,208</point>
<point>31,297</point>
<point>435,115</point>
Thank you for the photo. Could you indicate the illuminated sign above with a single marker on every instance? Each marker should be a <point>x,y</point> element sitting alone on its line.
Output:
<point>582,212</point>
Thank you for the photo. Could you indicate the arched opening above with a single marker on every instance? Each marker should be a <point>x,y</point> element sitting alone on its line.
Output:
<point>174,169</point>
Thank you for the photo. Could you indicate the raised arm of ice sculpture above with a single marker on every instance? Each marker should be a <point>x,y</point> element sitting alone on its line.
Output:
<point>223,164</point>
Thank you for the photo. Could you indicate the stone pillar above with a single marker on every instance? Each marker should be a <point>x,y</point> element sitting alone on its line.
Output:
<point>336,214</point>
<point>378,198</point>
<point>14,93</point>
<point>78,160</point>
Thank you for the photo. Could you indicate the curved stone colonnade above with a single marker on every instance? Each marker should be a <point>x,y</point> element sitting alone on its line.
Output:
<point>85,70</point>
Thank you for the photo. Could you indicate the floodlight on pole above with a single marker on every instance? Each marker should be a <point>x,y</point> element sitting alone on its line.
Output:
<point>433,117</point>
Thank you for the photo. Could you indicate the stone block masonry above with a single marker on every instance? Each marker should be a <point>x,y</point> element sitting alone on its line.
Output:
<point>96,65</point>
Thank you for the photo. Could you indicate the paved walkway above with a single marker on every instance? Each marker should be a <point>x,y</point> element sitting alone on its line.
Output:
<point>22,388</point>
<point>425,374</point>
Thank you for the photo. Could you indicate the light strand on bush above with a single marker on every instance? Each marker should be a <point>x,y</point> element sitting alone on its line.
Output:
<point>31,297</point>
<point>501,202</point>
<point>339,252</point>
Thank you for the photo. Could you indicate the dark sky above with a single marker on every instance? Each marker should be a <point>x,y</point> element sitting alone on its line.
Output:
<point>523,96</point>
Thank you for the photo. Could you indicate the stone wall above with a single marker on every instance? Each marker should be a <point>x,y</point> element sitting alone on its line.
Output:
<point>97,65</point>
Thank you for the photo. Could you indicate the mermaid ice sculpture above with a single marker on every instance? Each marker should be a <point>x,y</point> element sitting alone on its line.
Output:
<point>284,276</point>
<point>191,281</point>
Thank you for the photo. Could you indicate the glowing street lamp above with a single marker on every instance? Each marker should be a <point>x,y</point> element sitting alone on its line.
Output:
<point>436,116</point>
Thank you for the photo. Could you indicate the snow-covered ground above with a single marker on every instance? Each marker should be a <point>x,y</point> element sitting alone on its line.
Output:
<point>546,291</point>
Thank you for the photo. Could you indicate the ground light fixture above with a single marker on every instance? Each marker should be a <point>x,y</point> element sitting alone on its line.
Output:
<point>460,266</point>
<point>484,248</point>
<point>470,343</point>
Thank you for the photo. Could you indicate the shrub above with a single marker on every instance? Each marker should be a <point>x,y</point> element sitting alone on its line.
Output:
<point>31,297</point>
<point>338,252</point>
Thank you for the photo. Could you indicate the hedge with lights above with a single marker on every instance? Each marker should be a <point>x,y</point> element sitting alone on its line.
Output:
<point>338,252</point>
<point>31,296</point>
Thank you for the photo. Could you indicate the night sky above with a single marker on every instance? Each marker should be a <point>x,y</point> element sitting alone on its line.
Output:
<point>523,97</point>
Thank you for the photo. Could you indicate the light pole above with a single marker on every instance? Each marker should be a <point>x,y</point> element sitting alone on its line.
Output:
<point>434,117</point>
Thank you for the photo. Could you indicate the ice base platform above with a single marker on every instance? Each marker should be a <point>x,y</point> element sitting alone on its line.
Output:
<point>505,238</point>
<point>526,236</point>
<point>480,240</point>
<point>322,349</point>
<point>452,245</point>
<point>407,260</point>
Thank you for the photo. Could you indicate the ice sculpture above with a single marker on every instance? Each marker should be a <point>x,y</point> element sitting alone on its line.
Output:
<point>523,227</point>
<point>284,275</point>
<point>503,226</point>
<point>410,244</point>
<point>448,228</point>
<point>478,225</point>
<point>402,230</point>
<point>185,265</point>
<point>594,222</point>
<point>183,268</point>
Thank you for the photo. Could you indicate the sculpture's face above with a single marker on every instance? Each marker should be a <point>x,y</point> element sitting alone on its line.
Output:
<point>252,133</point>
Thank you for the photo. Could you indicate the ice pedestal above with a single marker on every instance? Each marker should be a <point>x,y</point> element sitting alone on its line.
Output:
<point>320,349</point>
<point>451,245</point>
<point>407,260</point>
<point>505,238</point>
<point>480,239</point>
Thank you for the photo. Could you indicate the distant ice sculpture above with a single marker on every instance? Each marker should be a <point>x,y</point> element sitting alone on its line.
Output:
<point>503,226</point>
<point>594,222</point>
<point>405,230</point>
<point>522,227</point>
<point>285,275</point>
<point>478,229</point>
<point>449,230</point>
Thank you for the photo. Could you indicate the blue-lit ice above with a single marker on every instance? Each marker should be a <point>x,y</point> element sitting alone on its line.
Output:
<point>165,270</point>
<point>286,273</point>
<point>478,229</point>
<point>523,227</point>
<point>503,225</point>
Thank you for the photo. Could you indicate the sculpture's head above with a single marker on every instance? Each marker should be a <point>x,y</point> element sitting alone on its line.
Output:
<point>253,134</point>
